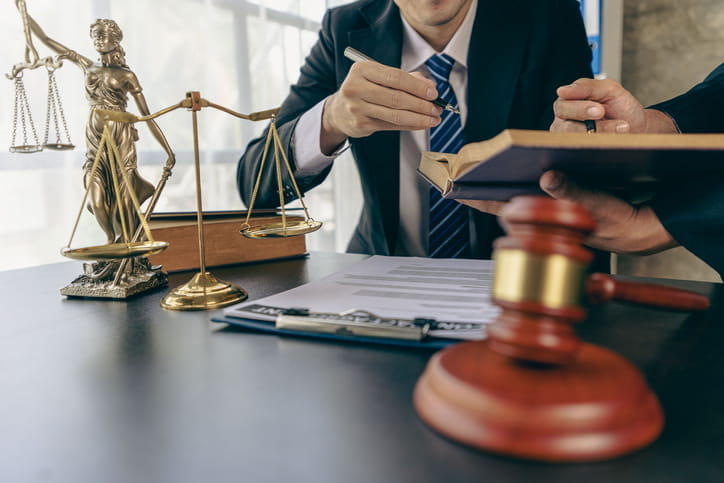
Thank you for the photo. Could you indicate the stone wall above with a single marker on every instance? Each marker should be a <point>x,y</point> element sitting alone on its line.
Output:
<point>668,46</point>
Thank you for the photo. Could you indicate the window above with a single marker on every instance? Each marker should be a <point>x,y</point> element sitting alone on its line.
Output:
<point>237,53</point>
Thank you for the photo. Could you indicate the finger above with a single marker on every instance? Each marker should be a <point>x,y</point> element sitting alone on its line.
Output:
<point>613,126</point>
<point>395,79</point>
<point>379,125</point>
<point>563,125</point>
<point>402,119</point>
<point>397,99</point>
<point>610,126</point>
<point>578,110</point>
<point>422,77</point>
<point>596,89</point>
<point>561,187</point>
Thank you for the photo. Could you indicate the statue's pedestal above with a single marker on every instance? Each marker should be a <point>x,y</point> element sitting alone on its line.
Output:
<point>97,280</point>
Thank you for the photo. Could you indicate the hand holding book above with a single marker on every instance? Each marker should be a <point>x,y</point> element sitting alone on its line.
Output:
<point>623,227</point>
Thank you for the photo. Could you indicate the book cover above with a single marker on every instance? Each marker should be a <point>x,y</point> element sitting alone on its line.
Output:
<point>223,243</point>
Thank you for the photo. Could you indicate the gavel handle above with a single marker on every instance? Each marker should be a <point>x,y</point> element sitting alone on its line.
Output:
<point>602,288</point>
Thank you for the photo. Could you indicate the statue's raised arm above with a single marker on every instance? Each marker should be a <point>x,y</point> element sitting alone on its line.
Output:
<point>52,44</point>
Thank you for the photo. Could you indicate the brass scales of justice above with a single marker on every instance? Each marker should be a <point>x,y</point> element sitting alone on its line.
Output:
<point>22,117</point>
<point>203,291</point>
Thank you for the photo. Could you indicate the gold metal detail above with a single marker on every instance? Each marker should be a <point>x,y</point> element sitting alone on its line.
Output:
<point>203,292</point>
<point>114,188</point>
<point>53,112</point>
<point>126,248</point>
<point>281,229</point>
<point>554,281</point>
<point>21,110</point>
<point>115,251</point>
<point>22,114</point>
<point>32,59</point>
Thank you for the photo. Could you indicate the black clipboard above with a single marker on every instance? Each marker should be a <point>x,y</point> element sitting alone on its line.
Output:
<point>353,326</point>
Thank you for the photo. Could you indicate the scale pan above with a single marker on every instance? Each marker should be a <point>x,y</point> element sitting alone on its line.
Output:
<point>115,251</point>
<point>58,146</point>
<point>279,230</point>
<point>26,148</point>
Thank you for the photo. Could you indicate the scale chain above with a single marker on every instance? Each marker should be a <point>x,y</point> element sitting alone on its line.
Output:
<point>61,112</point>
<point>51,106</point>
<point>26,109</point>
<point>22,107</point>
<point>56,108</point>
<point>15,115</point>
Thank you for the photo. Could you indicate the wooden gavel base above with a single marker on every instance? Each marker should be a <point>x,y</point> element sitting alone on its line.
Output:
<point>597,407</point>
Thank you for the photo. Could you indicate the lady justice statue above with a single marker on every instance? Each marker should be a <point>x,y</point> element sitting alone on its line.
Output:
<point>108,83</point>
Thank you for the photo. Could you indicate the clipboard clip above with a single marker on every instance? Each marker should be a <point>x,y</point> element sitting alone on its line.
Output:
<point>354,322</point>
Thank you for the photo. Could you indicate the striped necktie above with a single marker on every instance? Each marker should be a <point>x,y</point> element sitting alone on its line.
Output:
<point>449,235</point>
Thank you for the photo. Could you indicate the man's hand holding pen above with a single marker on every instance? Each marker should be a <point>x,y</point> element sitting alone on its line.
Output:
<point>376,97</point>
<point>613,108</point>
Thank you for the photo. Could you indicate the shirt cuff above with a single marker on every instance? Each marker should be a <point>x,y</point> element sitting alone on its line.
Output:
<point>310,160</point>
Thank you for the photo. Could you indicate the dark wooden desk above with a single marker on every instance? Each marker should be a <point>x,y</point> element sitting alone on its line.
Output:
<point>106,392</point>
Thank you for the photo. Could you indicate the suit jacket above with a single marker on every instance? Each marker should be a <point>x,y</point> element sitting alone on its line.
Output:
<point>694,214</point>
<point>520,52</point>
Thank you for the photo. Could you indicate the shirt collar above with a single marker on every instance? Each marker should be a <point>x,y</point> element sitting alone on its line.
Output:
<point>416,50</point>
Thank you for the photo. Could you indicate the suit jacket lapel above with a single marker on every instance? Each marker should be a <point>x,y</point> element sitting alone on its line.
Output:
<point>494,62</point>
<point>382,41</point>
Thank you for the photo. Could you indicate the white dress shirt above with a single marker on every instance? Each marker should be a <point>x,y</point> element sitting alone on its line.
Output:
<point>310,161</point>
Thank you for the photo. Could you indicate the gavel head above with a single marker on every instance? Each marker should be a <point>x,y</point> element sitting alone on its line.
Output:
<point>539,279</point>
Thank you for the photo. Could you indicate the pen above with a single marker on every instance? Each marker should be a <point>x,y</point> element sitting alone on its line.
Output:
<point>357,56</point>
<point>590,126</point>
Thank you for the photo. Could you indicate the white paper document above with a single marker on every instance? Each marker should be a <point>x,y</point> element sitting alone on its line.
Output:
<point>446,290</point>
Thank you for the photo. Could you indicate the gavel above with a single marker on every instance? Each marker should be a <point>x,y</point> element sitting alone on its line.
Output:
<point>533,389</point>
<point>541,281</point>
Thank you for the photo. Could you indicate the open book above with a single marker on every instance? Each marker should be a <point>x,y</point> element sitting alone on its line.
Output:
<point>511,163</point>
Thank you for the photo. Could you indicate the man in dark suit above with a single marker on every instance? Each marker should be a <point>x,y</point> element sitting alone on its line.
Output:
<point>690,213</point>
<point>509,57</point>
